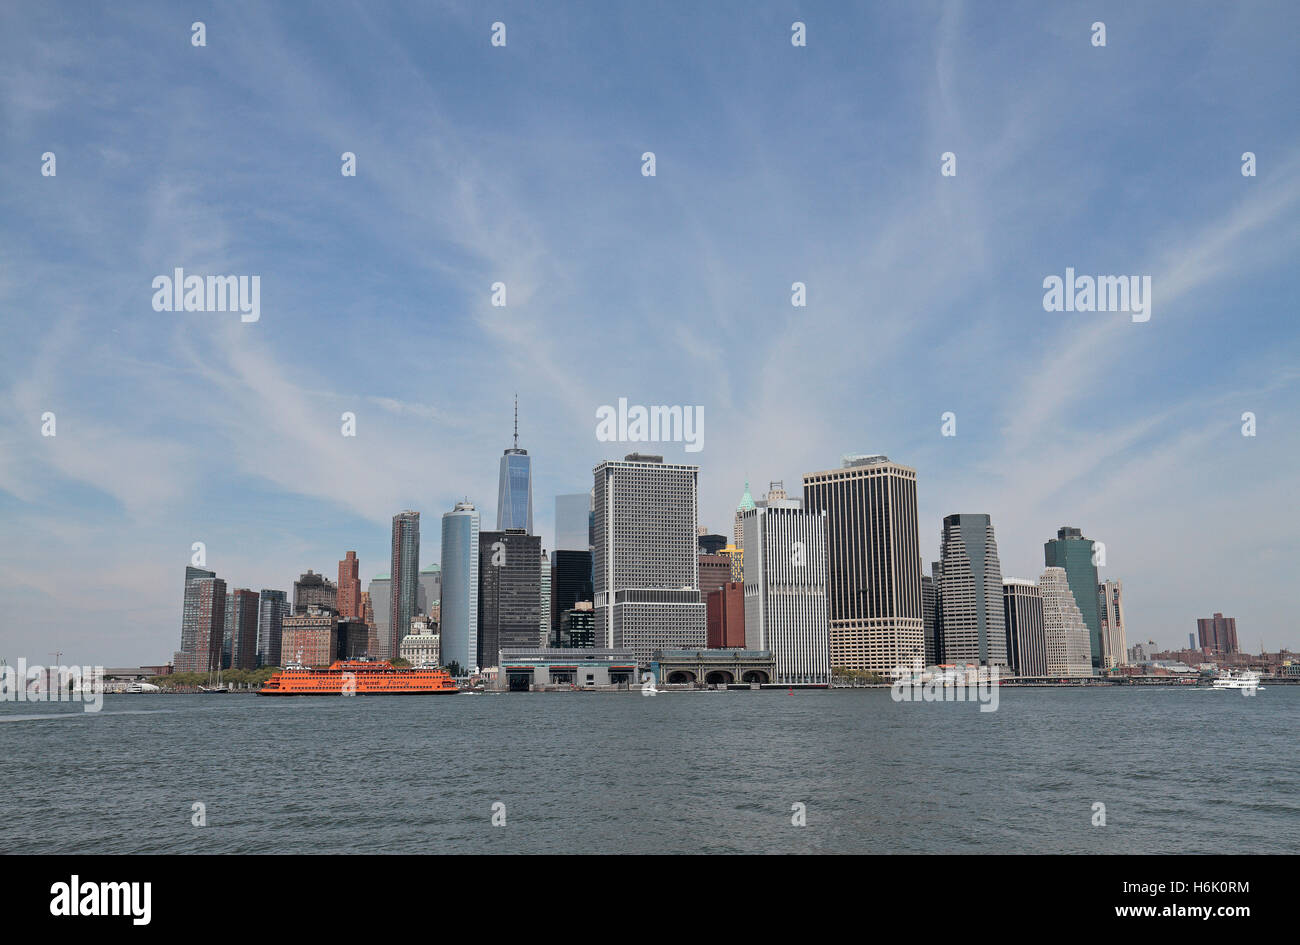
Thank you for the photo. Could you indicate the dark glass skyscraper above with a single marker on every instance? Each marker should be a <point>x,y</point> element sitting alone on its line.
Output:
<point>405,599</point>
<point>510,597</point>
<point>1071,551</point>
<point>273,607</point>
<point>515,493</point>
<point>570,581</point>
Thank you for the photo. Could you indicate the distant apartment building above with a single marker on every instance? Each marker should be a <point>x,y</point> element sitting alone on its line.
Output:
<point>430,589</point>
<point>1078,557</point>
<point>647,592</point>
<point>321,637</point>
<point>311,638</point>
<point>715,571</point>
<point>973,629</point>
<point>203,622</point>
<point>421,647</point>
<point>545,603</point>
<point>1022,604</point>
<point>873,553</point>
<point>1069,652</point>
<point>349,588</point>
<point>314,590</point>
<point>509,602</point>
<point>930,618</point>
<point>405,576</point>
<point>785,592</point>
<point>1218,634</point>
<point>460,587</point>
<point>244,627</point>
<point>272,608</point>
<point>725,614</point>
<point>738,526</point>
<point>381,601</point>
<point>1110,607</point>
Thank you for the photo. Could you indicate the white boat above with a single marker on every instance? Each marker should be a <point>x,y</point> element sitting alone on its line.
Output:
<point>1230,680</point>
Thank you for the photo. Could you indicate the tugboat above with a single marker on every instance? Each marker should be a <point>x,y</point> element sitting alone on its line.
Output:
<point>358,677</point>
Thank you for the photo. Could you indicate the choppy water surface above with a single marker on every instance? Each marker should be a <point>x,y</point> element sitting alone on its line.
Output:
<point>1179,771</point>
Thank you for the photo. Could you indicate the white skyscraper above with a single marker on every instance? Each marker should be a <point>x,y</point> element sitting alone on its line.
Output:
<point>544,628</point>
<point>1114,638</point>
<point>459,628</point>
<point>785,592</point>
<point>647,592</point>
<point>973,627</point>
<point>1069,646</point>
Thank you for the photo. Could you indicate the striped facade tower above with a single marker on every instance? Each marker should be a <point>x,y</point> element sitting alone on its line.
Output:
<point>785,593</point>
<point>874,560</point>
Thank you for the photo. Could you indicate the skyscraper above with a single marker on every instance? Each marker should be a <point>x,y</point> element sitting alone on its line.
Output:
<point>738,526</point>
<point>314,590</point>
<point>406,580</point>
<point>203,624</point>
<point>460,562</point>
<point>349,593</point>
<point>509,594</point>
<point>381,602</point>
<point>570,582</point>
<point>1110,605</point>
<point>973,627</point>
<point>544,614</point>
<point>272,608</point>
<point>647,591</point>
<point>244,627</point>
<point>873,552</point>
<point>1066,634</point>
<point>1022,604</point>
<point>785,592</point>
<point>430,589</point>
<point>1071,551</point>
<point>725,609</point>
<point>1218,634</point>
<point>573,522</point>
<point>715,571</point>
<point>930,613</point>
<point>515,491</point>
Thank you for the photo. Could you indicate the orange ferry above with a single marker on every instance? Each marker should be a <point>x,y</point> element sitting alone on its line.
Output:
<point>359,677</point>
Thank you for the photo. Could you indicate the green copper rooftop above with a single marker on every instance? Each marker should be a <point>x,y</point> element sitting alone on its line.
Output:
<point>746,500</point>
<point>431,569</point>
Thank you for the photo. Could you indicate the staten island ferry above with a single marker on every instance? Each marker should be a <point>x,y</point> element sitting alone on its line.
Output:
<point>358,677</point>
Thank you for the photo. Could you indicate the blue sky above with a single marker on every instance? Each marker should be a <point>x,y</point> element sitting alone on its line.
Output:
<point>522,164</point>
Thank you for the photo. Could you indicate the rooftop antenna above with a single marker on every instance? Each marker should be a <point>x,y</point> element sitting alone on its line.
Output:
<point>516,421</point>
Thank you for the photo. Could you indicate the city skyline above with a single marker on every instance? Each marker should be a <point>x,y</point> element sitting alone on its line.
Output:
<point>818,165</point>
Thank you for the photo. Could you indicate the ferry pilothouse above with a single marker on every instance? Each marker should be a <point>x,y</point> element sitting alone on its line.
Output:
<point>363,676</point>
